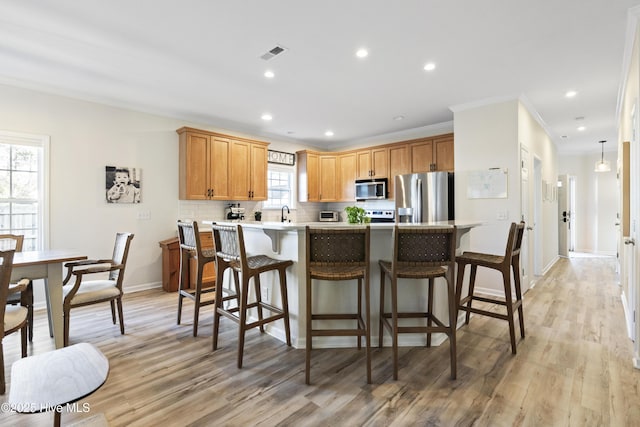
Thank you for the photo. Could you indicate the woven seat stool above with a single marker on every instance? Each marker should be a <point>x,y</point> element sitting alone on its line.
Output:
<point>419,253</point>
<point>506,264</point>
<point>230,252</point>
<point>339,255</point>
<point>191,248</point>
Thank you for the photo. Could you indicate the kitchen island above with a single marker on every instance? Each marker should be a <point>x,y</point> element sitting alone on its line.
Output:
<point>284,240</point>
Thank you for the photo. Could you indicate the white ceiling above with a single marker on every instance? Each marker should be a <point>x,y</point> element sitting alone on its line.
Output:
<point>200,61</point>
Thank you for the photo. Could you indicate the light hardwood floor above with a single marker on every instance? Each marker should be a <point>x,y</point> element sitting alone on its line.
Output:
<point>572,369</point>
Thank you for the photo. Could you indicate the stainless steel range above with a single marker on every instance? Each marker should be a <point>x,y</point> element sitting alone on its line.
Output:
<point>381,215</point>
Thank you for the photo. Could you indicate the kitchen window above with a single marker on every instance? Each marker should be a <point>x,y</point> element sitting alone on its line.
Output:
<point>23,207</point>
<point>280,187</point>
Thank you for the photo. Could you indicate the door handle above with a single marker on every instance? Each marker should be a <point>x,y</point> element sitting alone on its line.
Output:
<point>630,242</point>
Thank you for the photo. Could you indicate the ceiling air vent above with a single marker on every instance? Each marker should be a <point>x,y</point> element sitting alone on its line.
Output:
<point>272,53</point>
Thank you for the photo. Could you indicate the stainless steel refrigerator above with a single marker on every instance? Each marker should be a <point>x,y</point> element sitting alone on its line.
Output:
<point>424,197</point>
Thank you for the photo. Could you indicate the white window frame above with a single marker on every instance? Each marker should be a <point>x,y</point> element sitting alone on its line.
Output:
<point>43,141</point>
<point>294,185</point>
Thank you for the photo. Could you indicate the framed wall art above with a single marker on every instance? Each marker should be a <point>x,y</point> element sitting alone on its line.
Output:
<point>122,184</point>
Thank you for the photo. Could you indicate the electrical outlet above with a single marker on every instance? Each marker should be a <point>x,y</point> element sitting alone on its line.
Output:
<point>144,215</point>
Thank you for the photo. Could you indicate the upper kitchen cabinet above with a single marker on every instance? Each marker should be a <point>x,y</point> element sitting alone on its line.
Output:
<point>248,170</point>
<point>372,163</point>
<point>432,154</point>
<point>204,163</point>
<point>399,164</point>
<point>347,177</point>
<point>317,177</point>
<point>221,167</point>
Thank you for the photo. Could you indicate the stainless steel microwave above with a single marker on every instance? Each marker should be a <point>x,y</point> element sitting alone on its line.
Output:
<point>368,189</point>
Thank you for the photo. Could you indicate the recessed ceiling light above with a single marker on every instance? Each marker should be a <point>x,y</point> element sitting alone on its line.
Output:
<point>581,128</point>
<point>290,132</point>
<point>570,93</point>
<point>430,66</point>
<point>266,117</point>
<point>269,74</point>
<point>398,118</point>
<point>362,53</point>
<point>564,137</point>
<point>328,133</point>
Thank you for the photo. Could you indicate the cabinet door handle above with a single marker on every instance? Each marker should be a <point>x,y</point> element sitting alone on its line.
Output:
<point>212,193</point>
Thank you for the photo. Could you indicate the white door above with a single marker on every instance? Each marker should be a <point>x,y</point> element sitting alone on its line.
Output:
<point>537,223</point>
<point>524,213</point>
<point>631,253</point>
<point>566,208</point>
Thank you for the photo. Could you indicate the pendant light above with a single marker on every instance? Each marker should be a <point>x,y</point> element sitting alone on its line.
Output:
<point>602,165</point>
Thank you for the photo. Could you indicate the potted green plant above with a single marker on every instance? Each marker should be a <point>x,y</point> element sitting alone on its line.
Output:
<point>356,215</point>
<point>257,215</point>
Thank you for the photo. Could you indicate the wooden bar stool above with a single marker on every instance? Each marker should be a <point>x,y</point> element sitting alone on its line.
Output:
<point>230,253</point>
<point>504,264</point>
<point>190,248</point>
<point>419,253</point>
<point>336,255</point>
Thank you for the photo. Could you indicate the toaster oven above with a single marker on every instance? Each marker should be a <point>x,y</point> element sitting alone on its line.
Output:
<point>329,216</point>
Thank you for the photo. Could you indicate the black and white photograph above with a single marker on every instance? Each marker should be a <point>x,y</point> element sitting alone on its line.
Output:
<point>122,184</point>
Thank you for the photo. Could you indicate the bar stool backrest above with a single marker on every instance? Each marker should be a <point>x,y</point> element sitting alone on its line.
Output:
<point>514,242</point>
<point>189,236</point>
<point>228,242</point>
<point>425,247</point>
<point>335,247</point>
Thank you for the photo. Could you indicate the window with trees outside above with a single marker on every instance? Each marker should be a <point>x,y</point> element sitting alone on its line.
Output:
<point>22,187</point>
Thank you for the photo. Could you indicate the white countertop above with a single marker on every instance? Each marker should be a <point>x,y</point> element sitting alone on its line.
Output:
<point>294,226</point>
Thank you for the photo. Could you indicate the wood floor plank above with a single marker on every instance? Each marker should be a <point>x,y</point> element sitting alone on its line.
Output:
<point>572,369</point>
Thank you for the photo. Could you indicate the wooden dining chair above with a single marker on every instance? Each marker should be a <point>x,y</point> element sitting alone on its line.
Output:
<point>84,291</point>
<point>506,264</point>
<point>24,298</point>
<point>14,317</point>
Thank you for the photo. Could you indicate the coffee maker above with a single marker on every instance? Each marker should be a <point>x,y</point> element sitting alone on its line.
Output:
<point>235,211</point>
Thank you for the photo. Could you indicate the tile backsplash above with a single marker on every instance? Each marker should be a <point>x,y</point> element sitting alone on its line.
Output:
<point>213,210</point>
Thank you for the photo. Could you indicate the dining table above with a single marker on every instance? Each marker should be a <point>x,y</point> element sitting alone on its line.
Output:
<point>47,264</point>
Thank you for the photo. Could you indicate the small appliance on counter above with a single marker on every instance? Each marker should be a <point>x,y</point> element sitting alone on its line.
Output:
<point>235,211</point>
<point>381,215</point>
<point>329,216</point>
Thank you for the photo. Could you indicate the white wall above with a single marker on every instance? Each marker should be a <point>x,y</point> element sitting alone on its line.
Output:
<point>490,136</point>
<point>533,136</point>
<point>596,202</point>
<point>487,137</point>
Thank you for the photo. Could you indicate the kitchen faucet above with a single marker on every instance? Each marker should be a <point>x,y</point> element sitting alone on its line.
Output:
<point>282,218</point>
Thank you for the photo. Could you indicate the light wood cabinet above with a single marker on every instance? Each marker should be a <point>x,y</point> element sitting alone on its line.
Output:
<point>432,154</point>
<point>317,177</point>
<point>372,163</point>
<point>204,162</point>
<point>399,164</point>
<point>248,169</point>
<point>329,177</point>
<point>220,167</point>
<point>443,149</point>
<point>347,177</point>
